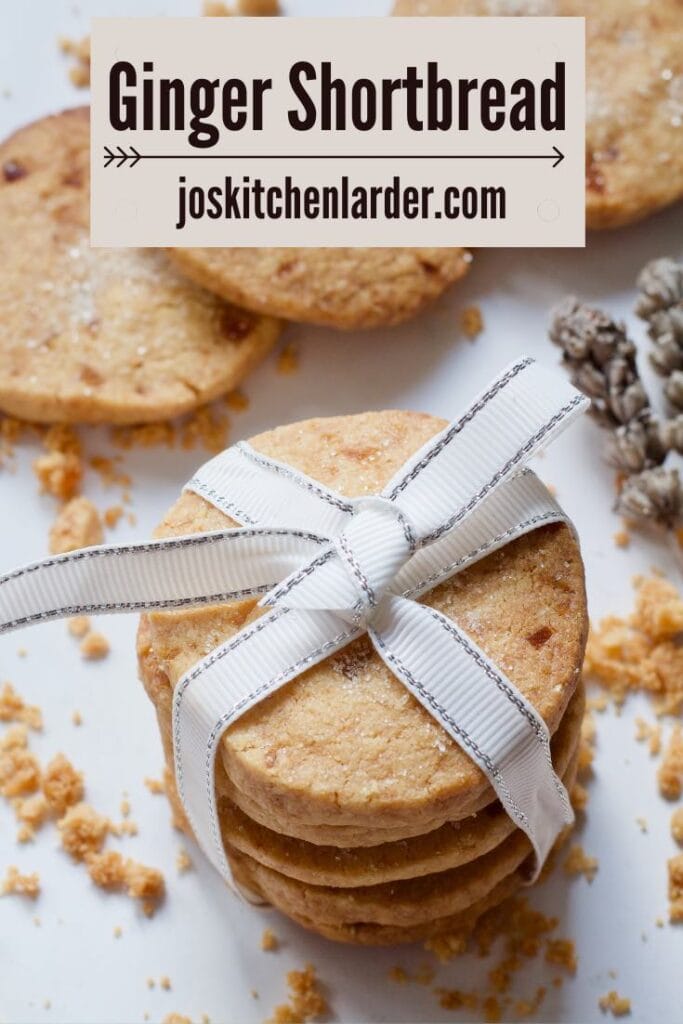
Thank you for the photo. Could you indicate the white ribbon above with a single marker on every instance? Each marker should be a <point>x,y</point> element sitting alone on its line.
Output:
<point>329,568</point>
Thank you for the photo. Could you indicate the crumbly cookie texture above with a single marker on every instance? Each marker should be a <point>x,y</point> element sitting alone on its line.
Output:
<point>676,889</point>
<point>618,1006</point>
<point>306,1000</point>
<point>21,885</point>
<point>344,745</point>
<point>634,97</point>
<point>403,904</point>
<point>642,652</point>
<point>78,525</point>
<point>450,846</point>
<point>344,288</point>
<point>100,335</point>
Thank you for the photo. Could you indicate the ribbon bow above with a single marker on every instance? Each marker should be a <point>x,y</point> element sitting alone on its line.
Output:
<point>330,568</point>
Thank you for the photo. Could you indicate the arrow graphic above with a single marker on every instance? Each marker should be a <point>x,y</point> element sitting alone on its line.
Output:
<point>122,157</point>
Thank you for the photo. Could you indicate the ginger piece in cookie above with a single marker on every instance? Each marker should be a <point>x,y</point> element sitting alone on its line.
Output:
<point>78,525</point>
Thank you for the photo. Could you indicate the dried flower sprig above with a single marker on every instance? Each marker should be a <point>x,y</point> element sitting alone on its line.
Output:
<point>660,304</point>
<point>602,361</point>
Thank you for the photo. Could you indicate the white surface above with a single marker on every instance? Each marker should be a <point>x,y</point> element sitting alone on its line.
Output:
<point>205,940</point>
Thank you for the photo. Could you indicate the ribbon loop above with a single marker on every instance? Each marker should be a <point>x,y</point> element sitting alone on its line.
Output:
<point>516,416</point>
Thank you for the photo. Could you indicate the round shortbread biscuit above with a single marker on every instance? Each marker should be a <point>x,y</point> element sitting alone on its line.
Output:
<point>100,335</point>
<point>450,846</point>
<point>344,288</point>
<point>634,96</point>
<point>404,903</point>
<point>399,911</point>
<point>344,744</point>
<point>366,934</point>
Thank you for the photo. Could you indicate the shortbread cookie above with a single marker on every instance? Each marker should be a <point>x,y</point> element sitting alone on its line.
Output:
<point>455,843</point>
<point>405,910</point>
<point>345,744</point>
<point>346,288</point>
<point>634,98</point>
<point>450,846</point>
<point>92,335</point>
<point>408,902</point>
<point>363,933</point>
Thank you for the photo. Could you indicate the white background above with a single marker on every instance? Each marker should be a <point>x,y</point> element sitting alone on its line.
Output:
<point>205,941</point>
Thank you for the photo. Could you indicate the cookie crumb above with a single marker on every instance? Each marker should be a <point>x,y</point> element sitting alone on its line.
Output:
<point>471,322</point>
<point>306,1001</point>
<point>94,647</point>
<point>399,975</point>
<point>13,708</point>
<point>269,941</point>
<point>155,786</point>
<point>650,733</point>
<point>78,525</point>
<point>622,539</point>
<point>216,9</point>
<point>237,401</point>
<point>76,718</point>
<point>288,360</point>
<point>675,866</point>
<point>183,862</point>
<point>79,625</point>
<point>176,1018</point>
<point>59,474</point>
<point>111,871</point>
<point>62,785</point>
<point>165,982</point>
<point>82,831</point>
<point>670,773</point>
<point>618,1006</point>
<point>118,931</point>
<point>677,825</point>
<point>562,953</point>
<point>19,770</point>
<point>17,884</point>
<point>79,50</point>
<point>642,824</point>
<point>258,8</point>
<point>578,862</point>
<point>457,999</point>
<point>642,652</point>
<point>112,514</point>
<point>446,947</point>
<point>32,813</point>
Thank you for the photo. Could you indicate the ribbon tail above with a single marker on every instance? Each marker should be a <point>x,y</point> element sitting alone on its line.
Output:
<point>261,658</point>
<point>207,568</point>
<point>481,710</point>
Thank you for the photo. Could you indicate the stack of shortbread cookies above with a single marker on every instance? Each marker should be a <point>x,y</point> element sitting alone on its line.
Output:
<point>342,801</point>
